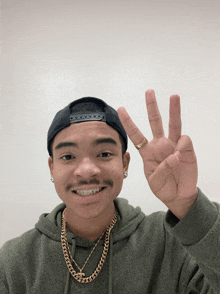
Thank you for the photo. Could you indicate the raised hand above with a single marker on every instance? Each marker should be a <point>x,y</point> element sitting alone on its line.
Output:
<point>170,164</point>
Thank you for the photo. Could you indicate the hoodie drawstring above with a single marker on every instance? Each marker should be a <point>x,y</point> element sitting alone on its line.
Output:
<point>68,273</point>
<point>67,283</point>
<point>110,266</point>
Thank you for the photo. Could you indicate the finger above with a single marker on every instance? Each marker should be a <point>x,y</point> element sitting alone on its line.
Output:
<point>186,150</point>
<point>175,119</point>
<point>131,129</point>
<point>154,115</point>
<point>163,172</point>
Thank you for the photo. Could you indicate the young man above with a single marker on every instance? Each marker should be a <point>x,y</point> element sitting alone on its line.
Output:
<point>97,243</point>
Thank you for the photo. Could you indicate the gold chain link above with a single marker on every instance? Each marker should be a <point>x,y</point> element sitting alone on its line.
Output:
<point>67,255</point>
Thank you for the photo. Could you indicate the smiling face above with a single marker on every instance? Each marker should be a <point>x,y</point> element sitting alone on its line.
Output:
<point>88,167</point>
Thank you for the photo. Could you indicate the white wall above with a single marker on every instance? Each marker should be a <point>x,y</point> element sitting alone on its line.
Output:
<point>56,51</point>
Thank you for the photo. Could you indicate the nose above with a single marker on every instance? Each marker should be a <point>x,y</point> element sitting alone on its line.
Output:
<point>87,169</point>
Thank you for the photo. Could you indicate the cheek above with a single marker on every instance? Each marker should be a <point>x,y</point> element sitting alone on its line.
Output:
<point>59,185</point>
<point>115,169</point>
<point>61,177</point>
<point>60,171</point>
<point>116,174</point>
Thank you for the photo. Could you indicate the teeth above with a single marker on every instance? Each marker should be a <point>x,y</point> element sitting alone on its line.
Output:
<point>87,192</point>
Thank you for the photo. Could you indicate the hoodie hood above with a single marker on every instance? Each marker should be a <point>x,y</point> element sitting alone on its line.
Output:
<point>129,219</point>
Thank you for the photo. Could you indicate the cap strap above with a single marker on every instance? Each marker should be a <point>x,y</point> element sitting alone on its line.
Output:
<point>80,117</point>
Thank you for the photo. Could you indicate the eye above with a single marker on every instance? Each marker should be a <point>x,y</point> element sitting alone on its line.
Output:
<point>67,157</point>
<point>105,154</point>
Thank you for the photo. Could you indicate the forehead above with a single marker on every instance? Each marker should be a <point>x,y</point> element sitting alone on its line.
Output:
<point>86,131</point>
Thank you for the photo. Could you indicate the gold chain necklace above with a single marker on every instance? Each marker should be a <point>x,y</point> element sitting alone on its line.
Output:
<point>80,276</point>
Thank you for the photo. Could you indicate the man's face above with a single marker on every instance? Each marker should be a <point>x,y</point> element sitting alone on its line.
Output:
<point>88,168</point>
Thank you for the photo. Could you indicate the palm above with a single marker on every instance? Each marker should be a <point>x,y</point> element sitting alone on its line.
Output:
<point>172,186</point>
<point>169,163</point>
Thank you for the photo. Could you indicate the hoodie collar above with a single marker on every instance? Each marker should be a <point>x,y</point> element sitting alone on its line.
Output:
<point>128,220</point>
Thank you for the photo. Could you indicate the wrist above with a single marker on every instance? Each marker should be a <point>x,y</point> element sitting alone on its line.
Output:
<point>196,224</point>
<point>180,208</point>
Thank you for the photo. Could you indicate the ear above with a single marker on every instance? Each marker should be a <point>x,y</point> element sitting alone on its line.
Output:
<point>126,160</point>
<point>50,164</point>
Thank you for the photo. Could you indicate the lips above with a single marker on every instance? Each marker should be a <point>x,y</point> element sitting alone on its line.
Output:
<point>88,192</point>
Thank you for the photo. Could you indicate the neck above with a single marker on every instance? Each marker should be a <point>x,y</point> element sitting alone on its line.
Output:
<point>88,228</point>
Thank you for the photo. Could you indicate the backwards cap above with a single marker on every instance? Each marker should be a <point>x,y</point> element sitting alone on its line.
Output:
<point>81,110</point>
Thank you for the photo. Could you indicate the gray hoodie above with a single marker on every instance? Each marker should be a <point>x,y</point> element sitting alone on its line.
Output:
<point>148,254</point>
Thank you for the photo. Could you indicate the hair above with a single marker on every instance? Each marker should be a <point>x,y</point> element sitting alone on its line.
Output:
<point>123,145</point>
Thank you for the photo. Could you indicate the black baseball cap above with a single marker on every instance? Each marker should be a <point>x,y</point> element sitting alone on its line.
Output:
<point>81,110</point>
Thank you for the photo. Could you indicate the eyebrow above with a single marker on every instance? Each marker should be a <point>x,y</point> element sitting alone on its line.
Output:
<point>95,143</point>
<point>65,144</point>
<point>104,140</point>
